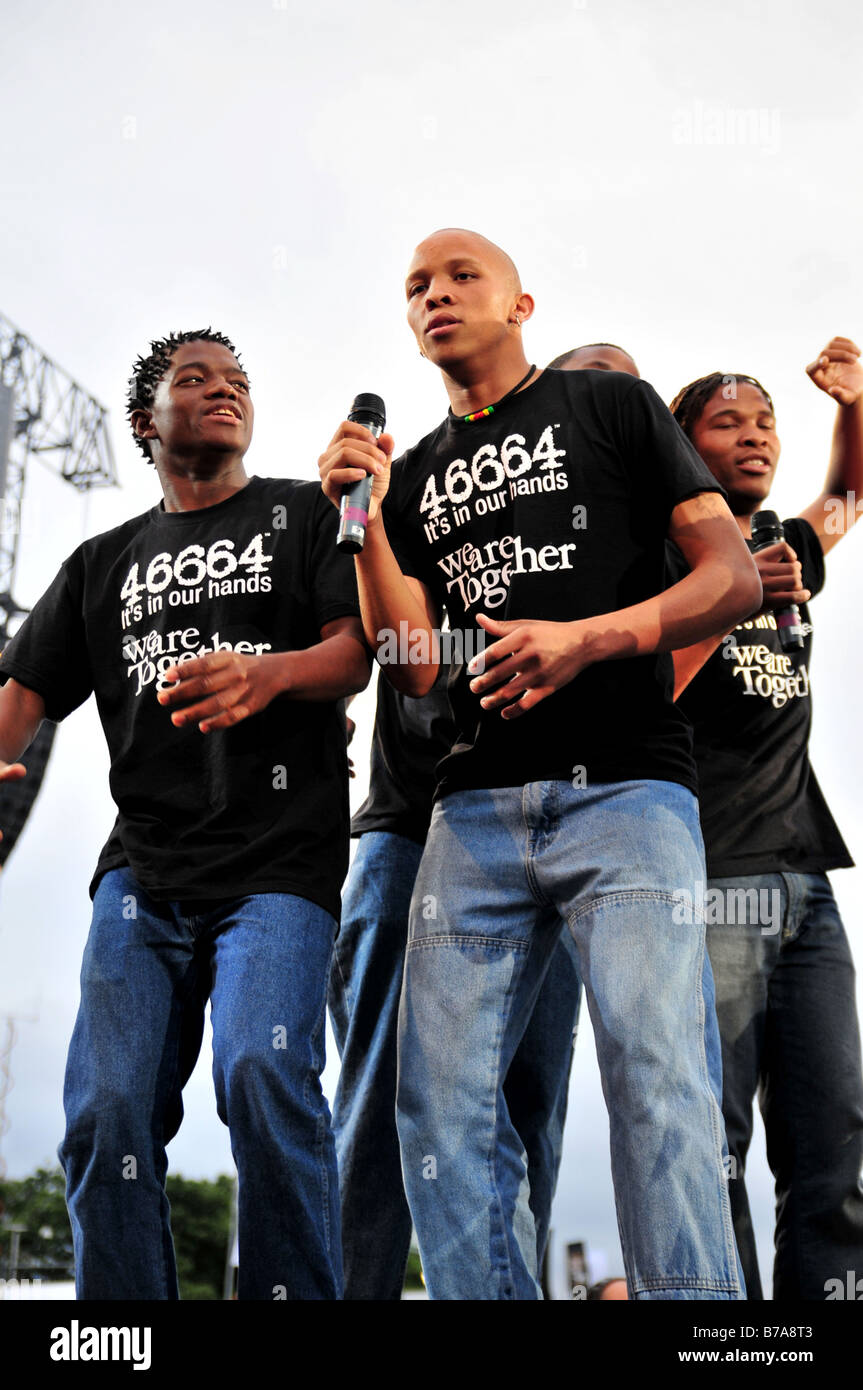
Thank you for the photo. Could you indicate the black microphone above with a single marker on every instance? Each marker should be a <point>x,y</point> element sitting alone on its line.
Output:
<point>767,529</point>
<point>368,410</point>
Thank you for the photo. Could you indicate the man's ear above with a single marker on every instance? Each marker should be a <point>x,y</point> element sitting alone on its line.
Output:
<point>524,306</point>
<point>142,424</point>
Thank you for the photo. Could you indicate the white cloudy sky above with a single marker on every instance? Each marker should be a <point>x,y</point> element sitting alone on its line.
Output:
<point>680,178</point>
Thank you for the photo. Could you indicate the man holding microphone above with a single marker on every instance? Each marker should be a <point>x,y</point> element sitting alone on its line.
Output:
<point>538,512</point>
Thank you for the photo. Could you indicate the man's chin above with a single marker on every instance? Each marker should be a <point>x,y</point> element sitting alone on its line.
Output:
<point>217,450</point>
<point>744,501</point>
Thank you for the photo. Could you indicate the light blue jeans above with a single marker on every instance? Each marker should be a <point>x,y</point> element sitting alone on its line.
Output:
<point>501,867</point>
<point>149,968</point>
<point>365,986</point>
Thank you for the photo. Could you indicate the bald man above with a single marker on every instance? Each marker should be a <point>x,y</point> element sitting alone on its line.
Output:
<point>536,515</point>
<point>597,357</point>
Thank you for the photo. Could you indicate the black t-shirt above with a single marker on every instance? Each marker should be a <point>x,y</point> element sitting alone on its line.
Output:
<point>260,807</point>
<point>556,507</point>
<point>762,810</point>
<point>410,737</point>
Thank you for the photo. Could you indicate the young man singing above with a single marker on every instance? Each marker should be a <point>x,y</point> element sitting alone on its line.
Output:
<point>410,738</point>
<point>781,961</point>
<point>538,511</point>
<point>219,631</point>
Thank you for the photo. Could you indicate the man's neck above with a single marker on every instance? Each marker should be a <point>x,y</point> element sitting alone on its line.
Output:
<point>187,486</point>
<point>744,520</point>
<point>473,386</point>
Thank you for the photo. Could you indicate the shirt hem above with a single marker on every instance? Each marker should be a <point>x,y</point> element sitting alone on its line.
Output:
<point>203,893</point>
<point>767,864</point>
<point>600,777</point>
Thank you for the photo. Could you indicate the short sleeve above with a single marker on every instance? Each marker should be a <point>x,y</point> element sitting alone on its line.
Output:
<point>803,539</point>
<point>332,582</point>
<point>49,652</point>
<point>664,459</point>
<point>800,535</point>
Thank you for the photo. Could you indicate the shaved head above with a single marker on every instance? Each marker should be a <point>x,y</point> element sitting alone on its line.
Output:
<point>466,307</point>
<point>603,357</point>
<point>489,248</point>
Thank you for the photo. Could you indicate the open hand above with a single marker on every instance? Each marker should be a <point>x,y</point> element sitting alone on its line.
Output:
<point>223,688</point>
<point>530,660</point>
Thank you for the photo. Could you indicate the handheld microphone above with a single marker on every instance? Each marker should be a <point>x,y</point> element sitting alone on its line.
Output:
<point>368,410</point>
<point>767,529</point>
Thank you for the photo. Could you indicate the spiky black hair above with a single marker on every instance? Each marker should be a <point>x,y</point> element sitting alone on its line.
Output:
<point>688,405</point>
<point>565,356</point>
<point>148,372</point>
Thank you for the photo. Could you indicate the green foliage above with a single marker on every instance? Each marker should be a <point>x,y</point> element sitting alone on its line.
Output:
<point>413,1275</point>
<point>200,1221</point>
<point>37,1203</point>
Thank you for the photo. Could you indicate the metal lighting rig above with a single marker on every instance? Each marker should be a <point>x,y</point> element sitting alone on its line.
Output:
<point>43,414</point>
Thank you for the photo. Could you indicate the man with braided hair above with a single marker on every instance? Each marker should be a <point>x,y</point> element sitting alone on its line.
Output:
<point>219,632</point>
<point>781,960</point>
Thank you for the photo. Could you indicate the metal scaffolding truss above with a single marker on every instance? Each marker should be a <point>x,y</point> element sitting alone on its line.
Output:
<point>43,412</point>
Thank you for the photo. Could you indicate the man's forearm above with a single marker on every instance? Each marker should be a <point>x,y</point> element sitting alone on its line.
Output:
<point>386,601</point>
<point>710,600</point>
<point>845,471</point>
<point>332,669</point>
<point>688,661</point>
<point>21,713</point>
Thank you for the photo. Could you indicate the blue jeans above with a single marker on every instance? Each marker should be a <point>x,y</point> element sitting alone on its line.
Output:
<point>788,1022</point>
<point>147,973</point>
<point>500,869</point>
<point>365,987</point>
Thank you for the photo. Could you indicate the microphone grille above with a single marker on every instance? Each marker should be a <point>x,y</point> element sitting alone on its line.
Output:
<point>367,403</point>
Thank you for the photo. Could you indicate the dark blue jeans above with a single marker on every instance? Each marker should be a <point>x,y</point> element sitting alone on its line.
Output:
<point>365,987</point>
<point>788,1023</point>
<point>148,970</point>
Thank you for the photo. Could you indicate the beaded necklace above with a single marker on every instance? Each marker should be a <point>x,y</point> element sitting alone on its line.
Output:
<point>490,409</point>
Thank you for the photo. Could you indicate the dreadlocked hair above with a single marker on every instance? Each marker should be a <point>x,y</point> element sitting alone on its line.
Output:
<point>688,404</point>
<point>148,372</point>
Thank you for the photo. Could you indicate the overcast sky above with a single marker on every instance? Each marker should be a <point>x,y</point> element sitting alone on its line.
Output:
<point>679,178</point>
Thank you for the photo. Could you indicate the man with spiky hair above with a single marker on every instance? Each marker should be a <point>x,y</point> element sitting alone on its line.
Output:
<point>219,632</point>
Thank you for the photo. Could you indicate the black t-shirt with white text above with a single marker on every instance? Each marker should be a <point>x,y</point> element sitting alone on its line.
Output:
<point>409,739</point>
<point>762,810</point>
<point>554,507</point>
<point>256,808</point>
